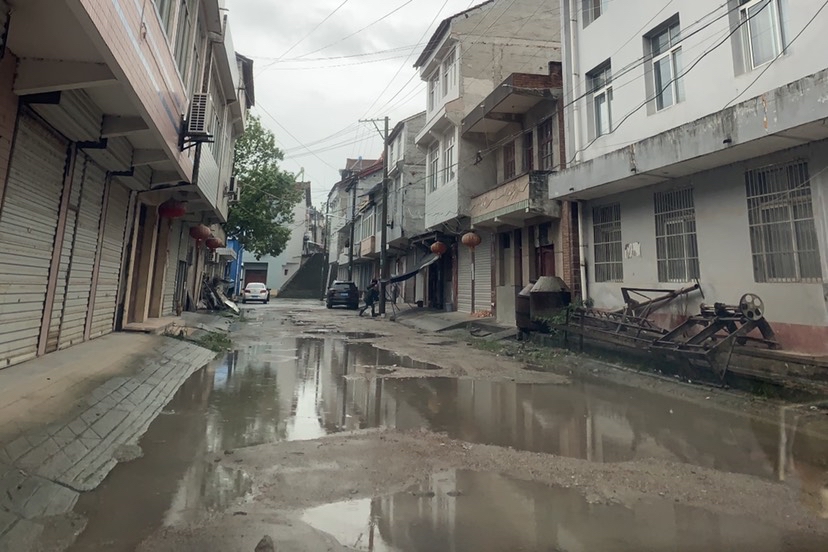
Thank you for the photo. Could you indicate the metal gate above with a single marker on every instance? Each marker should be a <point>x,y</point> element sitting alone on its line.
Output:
<point>28,223</point>
<point>482,276</point>
<point>109,271</point>
<point>464,276</point>
<point>84,249</point>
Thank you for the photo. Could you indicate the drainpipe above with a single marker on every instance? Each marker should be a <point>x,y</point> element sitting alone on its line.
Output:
<point>584,249</point>
<point>574,54</point>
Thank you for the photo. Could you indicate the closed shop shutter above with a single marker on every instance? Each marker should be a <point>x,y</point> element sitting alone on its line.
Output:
<point>175,254</point>
<point>84,249</point>
<point>65,256</point>
<point>28,223</point>
<point>483,273</point>
<point>464,280</point>
<point>109,273</point>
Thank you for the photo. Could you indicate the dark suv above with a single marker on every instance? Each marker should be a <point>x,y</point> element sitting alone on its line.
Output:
<point>343,293</point>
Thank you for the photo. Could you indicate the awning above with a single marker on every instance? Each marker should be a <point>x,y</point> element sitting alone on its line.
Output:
<point>226,252</point>
<point>431,259</point>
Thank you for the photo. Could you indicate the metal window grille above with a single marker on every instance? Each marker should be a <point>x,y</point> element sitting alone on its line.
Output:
<point>509,168</point>
<point>677,251</point>
<point>606,227</point>
<point>545,145</point>
<point>783,237</point>
<point>528,152</point>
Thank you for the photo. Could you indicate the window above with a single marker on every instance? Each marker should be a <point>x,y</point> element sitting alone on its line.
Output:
<point>783,238</point>
<point>665,47</point>
<point>184,35</point>
<point>761,31</point>
<point>509,169</point>
<point>677,252</point>
<point>164,8</point>
<point>448,159</point>
<point>450,72</point>
<point>545,145</point>
<point>433,166</point>
<point>528,152</point>
<point>593,9</point>
<point>606,227</point>
<point>432,91</point>
<point>600,85</point>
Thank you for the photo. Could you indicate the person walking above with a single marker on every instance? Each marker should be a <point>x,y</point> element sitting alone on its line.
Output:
<point>371,296</point>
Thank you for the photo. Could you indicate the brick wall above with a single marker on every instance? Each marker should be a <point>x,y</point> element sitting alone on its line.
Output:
<point>571,252</point>
<point>8,116</point>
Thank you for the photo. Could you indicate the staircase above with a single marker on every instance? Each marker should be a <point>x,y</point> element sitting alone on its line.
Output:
<point>306,283</point>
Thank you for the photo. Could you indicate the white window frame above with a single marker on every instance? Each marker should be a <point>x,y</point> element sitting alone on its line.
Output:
<point>449,75</point>
<point>185,30</point>
<point>449,150</point>
<point>672,56</point>
<point>600,83</point>
<point>434,91</point>
<point>593,9</point>
<point>747,36</point>
<point>433,167</point>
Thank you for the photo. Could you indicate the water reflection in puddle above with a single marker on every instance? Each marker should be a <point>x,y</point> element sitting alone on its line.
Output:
<point>472,511</point>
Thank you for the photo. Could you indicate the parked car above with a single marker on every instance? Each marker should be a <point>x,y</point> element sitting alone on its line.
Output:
<point>343,293</point>
<point>256,292</point>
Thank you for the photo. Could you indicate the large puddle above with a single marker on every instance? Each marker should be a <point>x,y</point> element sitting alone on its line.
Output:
<point>465,511</point>
<point>295,389</point>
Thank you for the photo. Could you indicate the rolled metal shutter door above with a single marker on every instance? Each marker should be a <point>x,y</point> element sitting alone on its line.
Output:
<point>464,273</point>
<point>172,268</point>
<point>483,273</point>
<point>28,222</point>
<point>109,273</point>
<point>84,249</point>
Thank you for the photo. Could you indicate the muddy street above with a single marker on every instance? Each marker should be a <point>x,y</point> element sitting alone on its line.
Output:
<point>327,431</point>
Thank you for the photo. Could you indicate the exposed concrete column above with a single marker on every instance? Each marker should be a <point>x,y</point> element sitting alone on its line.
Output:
<point>156,301</point>
<point>145,267</point>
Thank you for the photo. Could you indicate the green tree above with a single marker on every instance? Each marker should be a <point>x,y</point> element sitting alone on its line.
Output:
<point>262,219</point>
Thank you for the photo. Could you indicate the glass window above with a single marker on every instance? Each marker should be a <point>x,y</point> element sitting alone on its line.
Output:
<point>509,165</point>
<point>783,237</point>
<point>528,152</point>
<point>761,31</point>
<point>600,84</point>
<point>666,51</point>
<point>593,9</point>
<point>449,72</point>
<point>545,143</point>
<point>184,35</point>
<point>448,158</point>
<point>433,167</point>
<point>433,84</point>
<point>677,251</point>
<point>164,8</point>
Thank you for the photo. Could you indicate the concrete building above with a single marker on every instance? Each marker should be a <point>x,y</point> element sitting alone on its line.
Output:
<point>344,202</point>
<point>98,105</point>
<point>468,56</point>
<point>523,120</point>
<point>698,148</point>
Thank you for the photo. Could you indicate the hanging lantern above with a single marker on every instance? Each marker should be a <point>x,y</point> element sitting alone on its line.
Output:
<point>214,243</point>
<point>200,232</point>
<point>438,248</point>
<point>471,240</point>
<point>172,209</point>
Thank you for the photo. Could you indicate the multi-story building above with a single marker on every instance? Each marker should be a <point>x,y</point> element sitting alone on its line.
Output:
<point>697,140</point>
<point>470,54</point>
<point>98,103</point>
<point>521,121</point>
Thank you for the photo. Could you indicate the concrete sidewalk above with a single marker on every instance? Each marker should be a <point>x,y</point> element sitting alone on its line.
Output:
<point>67,418</point>
<point>432,320</point>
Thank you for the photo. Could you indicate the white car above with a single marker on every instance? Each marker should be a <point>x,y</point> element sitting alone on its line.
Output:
<point>256,292</point>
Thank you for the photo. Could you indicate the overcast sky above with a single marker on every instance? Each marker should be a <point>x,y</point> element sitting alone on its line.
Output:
<point>303,92</point>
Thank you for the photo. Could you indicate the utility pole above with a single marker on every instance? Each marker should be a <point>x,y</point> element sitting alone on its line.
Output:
<point>353,224</point>
<point>385,272</point>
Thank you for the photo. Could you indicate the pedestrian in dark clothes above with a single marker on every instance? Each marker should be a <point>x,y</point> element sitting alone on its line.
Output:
<point>371,297</point>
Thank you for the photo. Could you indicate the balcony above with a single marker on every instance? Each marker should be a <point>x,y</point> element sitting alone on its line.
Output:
<point>368,247</point>
<point>515,202</point>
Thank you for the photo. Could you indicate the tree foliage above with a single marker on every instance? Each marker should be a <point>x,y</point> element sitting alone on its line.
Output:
<point>262,218</point>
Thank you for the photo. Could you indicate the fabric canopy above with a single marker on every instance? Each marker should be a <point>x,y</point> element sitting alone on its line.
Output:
<point>431,259</point>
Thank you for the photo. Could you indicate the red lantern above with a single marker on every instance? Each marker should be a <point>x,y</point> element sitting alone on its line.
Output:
<point>172,209</point>
<point>200,232</point>
<point>214,243</point>
<point>471,240</point>
<point>438,248</point>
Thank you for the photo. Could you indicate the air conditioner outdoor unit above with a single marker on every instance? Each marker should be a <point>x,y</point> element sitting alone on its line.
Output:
<point>199,116</point>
